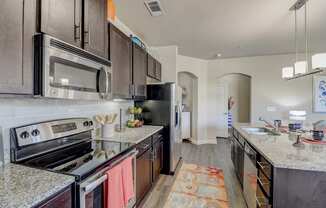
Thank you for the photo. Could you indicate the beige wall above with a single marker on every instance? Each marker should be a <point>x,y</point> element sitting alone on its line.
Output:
<point>198,68</point>
<point>167,55</point>
<point>239,88</point>
<point>268,89</point>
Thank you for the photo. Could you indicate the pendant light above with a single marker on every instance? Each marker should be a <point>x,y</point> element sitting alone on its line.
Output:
<point>319,61</point>
<point>301,67</point>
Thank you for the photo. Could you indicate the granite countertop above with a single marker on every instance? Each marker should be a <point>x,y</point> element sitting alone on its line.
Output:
<point>135,135</point>
<point>22,186</point>
<point>279,150</point>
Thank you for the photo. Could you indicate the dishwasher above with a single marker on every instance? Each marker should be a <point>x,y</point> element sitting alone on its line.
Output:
<point>250,176</point>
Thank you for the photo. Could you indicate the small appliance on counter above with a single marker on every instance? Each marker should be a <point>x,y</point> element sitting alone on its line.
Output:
<point>66,146</point>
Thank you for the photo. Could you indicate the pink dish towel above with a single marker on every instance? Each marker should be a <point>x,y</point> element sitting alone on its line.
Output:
<point>127,180</point>
<point>114,186</point>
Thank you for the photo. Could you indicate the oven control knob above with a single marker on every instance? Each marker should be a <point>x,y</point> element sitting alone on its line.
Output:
<point>86,123</point>
<point>24,135</point>
<point>90,123</point>
<point>35,132</point>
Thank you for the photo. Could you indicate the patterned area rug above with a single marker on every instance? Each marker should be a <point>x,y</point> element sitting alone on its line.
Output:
<point>198,187</point>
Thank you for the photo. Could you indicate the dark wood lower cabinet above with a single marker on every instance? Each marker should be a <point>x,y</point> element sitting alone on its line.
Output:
<point>157,160</point>
<point>143,175</point>
<point>61,200</point>
<point>149,165</point>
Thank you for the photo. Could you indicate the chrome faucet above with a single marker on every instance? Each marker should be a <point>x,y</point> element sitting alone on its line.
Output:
<point>275,128</point>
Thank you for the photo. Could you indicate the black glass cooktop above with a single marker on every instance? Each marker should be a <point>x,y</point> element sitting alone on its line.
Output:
<point>82,160</point>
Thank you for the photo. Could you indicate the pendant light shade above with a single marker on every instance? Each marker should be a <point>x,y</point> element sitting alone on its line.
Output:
<point>309,65</point>
<point>300,67</point>
<point>319,61</point>
<point>287,72</point>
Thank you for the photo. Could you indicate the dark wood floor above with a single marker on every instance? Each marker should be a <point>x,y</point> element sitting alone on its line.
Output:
<point>217,155</point>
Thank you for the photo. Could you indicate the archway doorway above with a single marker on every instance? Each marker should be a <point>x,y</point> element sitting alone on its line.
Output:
<point>189,118</point>
<point>233,102</point>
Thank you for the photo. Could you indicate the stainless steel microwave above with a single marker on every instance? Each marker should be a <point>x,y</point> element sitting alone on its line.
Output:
<point>66,71</point>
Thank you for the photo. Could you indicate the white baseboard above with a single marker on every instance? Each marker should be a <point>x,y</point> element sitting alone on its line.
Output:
<point>205,141</point>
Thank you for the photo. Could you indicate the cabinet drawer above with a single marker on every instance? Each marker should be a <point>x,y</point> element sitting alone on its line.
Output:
<point>144,145</point>
<point>157,137</point>
<point>264,182</point>
<point>261,200</point>
<point>62,200</point>
<point>265,167</point>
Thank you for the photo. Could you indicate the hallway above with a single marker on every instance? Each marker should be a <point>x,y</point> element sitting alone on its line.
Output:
<point>217,155</point>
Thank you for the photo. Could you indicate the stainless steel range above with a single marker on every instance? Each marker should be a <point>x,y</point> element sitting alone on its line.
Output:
<point>66,146</point>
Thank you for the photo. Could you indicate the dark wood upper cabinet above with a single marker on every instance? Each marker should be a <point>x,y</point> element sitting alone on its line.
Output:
<point>154,68</point>
<point>17,27</point>
<point>150,66</point>
<point>62,19</point>
<point>139,71</point>
<point>95,27</point>
<point>120,53</point>
<point>158,71</point>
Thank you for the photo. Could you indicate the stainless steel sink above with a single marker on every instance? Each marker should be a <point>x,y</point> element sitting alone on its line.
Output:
<point>260,131</point>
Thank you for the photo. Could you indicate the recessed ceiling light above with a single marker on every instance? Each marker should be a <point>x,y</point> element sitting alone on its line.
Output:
<point>219,55</point>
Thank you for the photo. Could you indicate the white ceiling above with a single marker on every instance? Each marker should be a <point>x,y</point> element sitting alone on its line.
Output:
<point>234,28</point>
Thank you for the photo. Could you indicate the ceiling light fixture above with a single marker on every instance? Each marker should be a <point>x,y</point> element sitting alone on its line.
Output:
<point>287,72</point>
<point>301,67</point>
<point>319,61</point>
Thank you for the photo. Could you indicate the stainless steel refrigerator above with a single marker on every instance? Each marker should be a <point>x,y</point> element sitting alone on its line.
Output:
<point>163,107</point>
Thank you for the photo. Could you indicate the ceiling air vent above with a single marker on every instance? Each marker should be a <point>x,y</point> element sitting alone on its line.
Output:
<point>154,7</point>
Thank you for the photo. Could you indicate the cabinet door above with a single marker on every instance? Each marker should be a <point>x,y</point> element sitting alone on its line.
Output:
<point>158,160</point>
<point>95,27</point>
<point>62,19</point>
<point>151,66</point>
<point>121,56</point>
<point>139,71</point>
<point>61,200</point>
<point>17,27</point>
<point>143,175</point>
<point>158,70</point>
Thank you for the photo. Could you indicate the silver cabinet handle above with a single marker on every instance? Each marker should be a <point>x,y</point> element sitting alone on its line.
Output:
<point>77,32</point>
<point>261,204</point>
<point>90,187</point>
<point>261,181</point>
<point>86,34</point>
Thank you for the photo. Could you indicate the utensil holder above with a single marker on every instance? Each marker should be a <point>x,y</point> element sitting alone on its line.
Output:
<point>107,130</point>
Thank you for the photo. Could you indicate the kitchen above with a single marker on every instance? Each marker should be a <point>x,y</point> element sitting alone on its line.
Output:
<point>88,87</point>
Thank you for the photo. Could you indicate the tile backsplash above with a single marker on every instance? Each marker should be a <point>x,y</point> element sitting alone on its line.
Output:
<point>17,112</point>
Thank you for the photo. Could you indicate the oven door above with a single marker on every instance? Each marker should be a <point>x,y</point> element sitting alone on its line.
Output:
<point>72,73</point>
<point>91,191</point>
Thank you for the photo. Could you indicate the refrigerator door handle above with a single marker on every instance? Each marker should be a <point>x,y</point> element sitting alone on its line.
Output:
<point>176,116</point>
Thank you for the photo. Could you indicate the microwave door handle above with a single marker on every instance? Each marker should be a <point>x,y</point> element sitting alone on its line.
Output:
<point>90,187</point>
<point>102,72</point>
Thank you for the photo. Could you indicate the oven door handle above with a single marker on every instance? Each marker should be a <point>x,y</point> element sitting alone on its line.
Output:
<point>91,186</point>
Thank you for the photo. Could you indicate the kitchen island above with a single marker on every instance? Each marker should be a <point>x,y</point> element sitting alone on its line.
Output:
<point>296,177</point>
